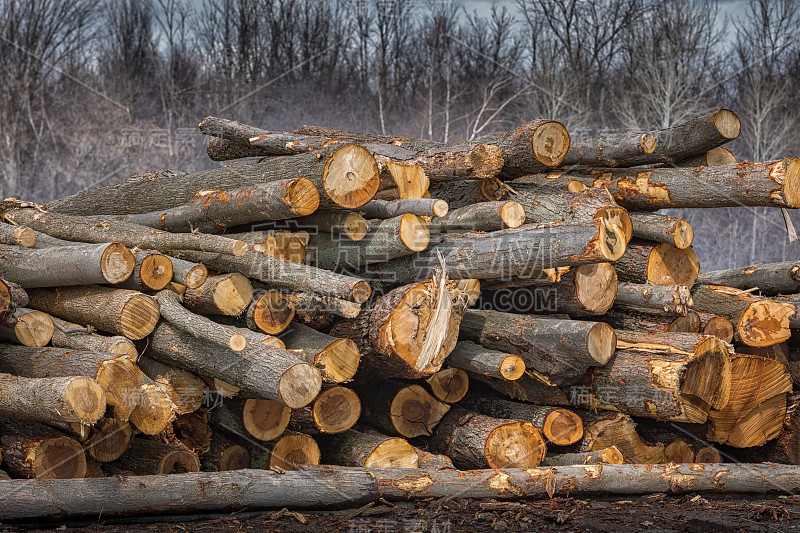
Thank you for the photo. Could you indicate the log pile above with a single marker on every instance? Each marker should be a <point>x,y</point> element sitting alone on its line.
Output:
<point>388,302</point>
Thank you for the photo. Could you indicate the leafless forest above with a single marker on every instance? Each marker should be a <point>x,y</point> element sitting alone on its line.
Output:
<point>96,91</point>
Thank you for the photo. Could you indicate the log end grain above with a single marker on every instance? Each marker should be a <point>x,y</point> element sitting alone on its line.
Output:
<point>596,286</point>
<point>233,294</point>
<point>153,411</point>
<point>720,327</point>
<point>117,263</point>
<point>611,240</point>
<point>765,323</point>
<point>234,457</point>
<point>361,291</point>
<point>668,265</point>
<point>393,453</point>
<point>601,342</point>
<point>414,412</point>
<point>239,248</point>
<point>414,232</point>
<point>684,235</point>
<point>336,410</point>
<point>195,277</point>
<point>517,444</point>
<point>179,461</point>
<point>679,451</point>
<point>351,177</point>
<point>138,316</point>
<point>486,160</point>
<point>787,173</point>
<point>339,361</point>
<point>58,458</point>
<point>647,142</point>
<point>563,427</point>
<point>272,312</point>
<point>25,237</point>
<point>512,367</point>
<point>619,217</point>
<point>302,196</point>
<point>86,398</point>
<point>299,385</point>
<point>512,214</point>
<point>440,208</point>
<point>727,123</point>
<point>708,376</point>
<point>689,323</point>
<point>109,440</point>
<point>708,454</point>
<point>613,456</point>
<point>265,419</point>
<point>156,271</point>
<point>449,385</point>
<point>293,450</point>
<point>719,156</point>
<point>119,377</point>
<point>550,143</point>
<point>34,328</point>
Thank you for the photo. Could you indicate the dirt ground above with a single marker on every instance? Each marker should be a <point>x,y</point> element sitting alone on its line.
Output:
<point>654,513</point>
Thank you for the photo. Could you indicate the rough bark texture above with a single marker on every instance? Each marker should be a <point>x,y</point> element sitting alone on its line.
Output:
<point>772,278</point>
<point>605,456</point>
<point>483,216</point>
<point>185,390</point>
<point>657,263</point>
<point>192,275</point>
<point>633,320</point>
<point>348,224</point>
<point>198,326</point>
<point>662,228</point>
<point>460,194</point>
<point>17,235</point>
<point>400,409</point>
<point>355,448</point>
<point>670,300</point>
<point>34,450</point>
<point>614,150</point>
<point>475,359</point>
<point>69,335</point>
<point>58,399</point>
<point>424,207</point>
<point>336,359</point>
<point>149,457</point>
<point>226,294</point>
<point>12,296</point>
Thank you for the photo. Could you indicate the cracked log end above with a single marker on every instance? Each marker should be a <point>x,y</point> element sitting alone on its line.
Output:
<point>240,248</point>
<point>612,240</point>
<point>727,124</point>
<point>414,412</point>
<point>512,214</point>
<point>264,419</point>
<point>596,286</point>
<point>299,385</point>
<point>708,376</point>
<point>688,323</point>
<point>302,196</point>
<point>338,361</point>
<point>684,235</point>
<point>618,216</point>
<point>58,458</point>
<point>272,312</point>
<point>667,265</point>
<point>765,323</point>
<point>563,427</point>
<point>647,142</point>
<point>601,342</point>
<point>179,461</point>
<point>414,232</point>
<point>719,327</point>
<point>393,453</point>
<point>613,456</point>
<point>336,410</point>
<point>156,271</point>
<point>196,276</point>
<point>86,398</point>
<point>117,263</point>
<point>110,439</point>
<point>449,385</point>
<point>512,367</point>
<point>351,177</point>
<point>550,142</point>
<point>293,450</point>
<point>515,445</point>
<point>138,316</point>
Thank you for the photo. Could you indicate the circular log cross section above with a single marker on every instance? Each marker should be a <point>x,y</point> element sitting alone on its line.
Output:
<point>414,232</point>
<point>414,412</point>
<point>765,323</point>
<point>34,328</point>
<point>393,453</point>
<point>596,286</point>
<point>550,143</point>
<point>234,457</point>
<point>727,123</point>
<point>351,177</point>
<point>512,367</point>
<point>515,445</point>
<point>195,276</point>
<point>299,385</point>
<point>58,458</point>
<point>689,323</point>
<point>302,196</point>
<point>719,327</point>
<point>86,398</point>
<point>449,385</point>
<point>336,410</point>
<point>601,342</point>
<point>563,427</point>
<point>272,312</point>
<point>338,362</point>
<point>293,450</point>
<point>265,419</point>
<point>440,208</point>
<point>612,240</point>
<point>117,263</point>
<point>156,271</point>
<point>138,317</point>
<point>179,462</point>
<point>512,214</point>
<point>110,440</point>
<point>684,235</point>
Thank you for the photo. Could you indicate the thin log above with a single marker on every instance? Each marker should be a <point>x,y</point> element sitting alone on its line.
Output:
<point>483,216</point>
<point>33,328</point>
<point>449,385</point>
<point>476,359</point>
<point>460,194</point>
<point>149,457</point>
<point>226,149</point>
<point>153,410</point>
<point>264,420</point>
<point>199,326</point>
<point>424,207</point>
<point>17,235</point>
<point>662,228</point>
<point>119,311</point>
<point>270,143</point>
<point>669,300</point>
<point>714,157</point>
<point>633,320</point>
<point>336,359</point>
<point>185,390</point>
<point>433,461</point>
<point>348,224</point>
<point>335,410</point>
<point>311,308</point>
<point>192,275</point>
<point>226,294</point>
<point>769,279</point>
<point>58,399</point>
<point>70,335</point>
<point>609,455</point>
<point>658,264</point>
<point>225,455</point>
<point>354,448</point>
<point>614,150</point>
<point>270,312</point>
<point>718,326</point>
<point>400,409</point>
<point>34,450</point>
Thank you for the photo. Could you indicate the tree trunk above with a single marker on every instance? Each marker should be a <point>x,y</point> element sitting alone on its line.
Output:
<point>263,370</point>
<point>483,216</point>
<point>74,265</point>
<point>609,455</point>
<point>34,450</point>
<point>758,321</point>
<point>658,264</point>
<point>354,448</point>
<point>107,230</point>
<point>473,440</point>
<point>408,332</point>
<point>449,385</point>
<point>185,390</point>
<point>632,320</point>
<point>614,150</point>
<point>460,194</point>
<point>264,420</point>
<point>226,294</point>
<point>69,335</point>
<point>661,228</point>
<point>153,411</point>
<point>336,359</point>
<point>57,399</point>
<point>270,312</point>
<point>201,327</point>
<point>476,359</point>
<point>773,278</point>
<point>17,235</point>
<point>149,457</point>
<point>345,176</point>
<point>718,326</point>
<point>335,410</point>
<point>348,224</point>
<point>33,328</point>
<point>214,211</point>
<point>670,300</point>
<point>280,274</point>
<point>226,149</point>
<point>400,409</point>
<point>109,439</point>
<point>152,272</point>
<point>560,351</point>
<point>559,426</point>
<point>192,275</point>
<point>119,311</point>
<point>424,207</point>
<point>115,373</point>
<point>713,158</point>
<point>509,253</point>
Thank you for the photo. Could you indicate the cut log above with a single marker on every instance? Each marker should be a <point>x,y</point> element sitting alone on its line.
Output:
<point>769,279</point>
<point>102,230</point>
<point>261,419</point>
<point>263,370</point>
<point>754,415</point>
<point>354,448</point>
<point>476,359</point>
<point>214,211</point>
<point>73,265</point>
<point>473,440</point>
<point>345,176</point>
<point>460,194</point>
<point>119,311</point>
<point>33,328</point>
<point>509,253</point>
<point>336,359</point>
<point>315,310</point>
<point>758,321</point>
<point>116,374</point>
<point>483,216</point>
<point>280,274</point>
<point>282,244</point>
<point>152,272</point>
<point>108,439</point>
<point>226,294</point>
<point>629,319</point>
<point>614,150</point>
<point>677,447</point>
<point>714,157</point>
<point>609,455</point>
<point>58,399</point>
<point>656,299</point>
<point>662,228</point>
<point>605,429</point>
<point>399,409</point>
<point>708,454</point>
<point>718,326</point>
<point>292,451</point>
<point>34,450</point>
<point>559,426</point>
<point>225,455</point>
<point>189,274</point>
<point>433,461</point>
<point>153,410</point>
<point>335,410</point>
<point>69,335</point>
<point>449,385</point>
<point>786,448</point>
<point>192,430</point>
<point>269,143</point>
<point>558,350</point>
<point>149,457</point>
<point>348,224</point>
<point>185,390</point>
<point>201,327</point>
<point>408,332</point>
<point>17,235</point>
<point>395,237</point>
<point>657,263</point>
<point>270,312</point>
<point>424,207</point>
<point>12,296</point>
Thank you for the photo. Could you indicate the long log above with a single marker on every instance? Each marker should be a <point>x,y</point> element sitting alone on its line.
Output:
<point>336,359</point>
<point>509,253</point>
<point>281,274</point>
<point>264,420</point>
<point>668,300</point>
<point>33,328</point>
<point>692,138</point>
<point>400,409</point>
<point>104,230</point>
<point>271,143</point>
<point>263,370</point>
<point>150,457</point>
<point>475,359</point>
<point>226,149</point>
<point>424,207</point>
<point>473,440</point>
<point>560,351</point>
<point>58,399</point>
<point>662,228</point>
<point>483,216</point>
<point>185,390</point>
<point>633,320</point>
<point>189,274</point>
<point>335,410</point>
<point>613,150</point>
<point>17,235</point>
<point>70,335</point>
<point>34,450</point>
<point>559,426</point>
<point>152,271</point>
<point>119,311</point>
<point>84,264</point>
<point>199,326</point>
<point>371,450</point>
<point>658,264</point>
<point>758,321</point>
<point>771,278</point>
<point>312,309</point>
<point>609,455</point>
<point>348,224</point>
<point>346,176</point>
